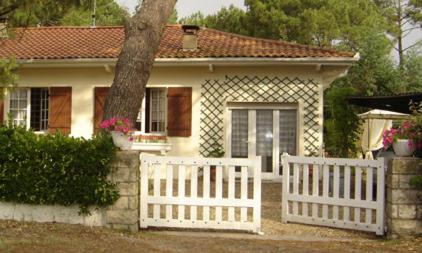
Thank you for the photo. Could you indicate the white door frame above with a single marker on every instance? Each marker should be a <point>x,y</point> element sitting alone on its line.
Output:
<point>252,107</point>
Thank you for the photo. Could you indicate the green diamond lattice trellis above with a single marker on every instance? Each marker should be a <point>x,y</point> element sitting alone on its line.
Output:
<point>215,94</point>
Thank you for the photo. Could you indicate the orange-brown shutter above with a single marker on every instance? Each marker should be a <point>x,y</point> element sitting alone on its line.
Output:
<point>1,106</point>
<point>179,112</point>
<point>100,94</point>
<point>60,111</point>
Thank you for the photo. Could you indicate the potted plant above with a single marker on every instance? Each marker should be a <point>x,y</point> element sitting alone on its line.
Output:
<point>401,139</point>
<point>416,121</point>
<point>120,132</point>
<point>216,152</point>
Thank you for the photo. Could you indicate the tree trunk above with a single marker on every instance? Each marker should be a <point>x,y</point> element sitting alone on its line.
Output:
<point>143,34</point>
<point>400,34</point>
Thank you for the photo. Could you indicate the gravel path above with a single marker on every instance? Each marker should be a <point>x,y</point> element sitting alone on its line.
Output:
<point>22,237</point>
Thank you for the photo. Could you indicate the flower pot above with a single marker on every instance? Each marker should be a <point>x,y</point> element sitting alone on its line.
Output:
<point>121,140</point>
<point>401,148</point>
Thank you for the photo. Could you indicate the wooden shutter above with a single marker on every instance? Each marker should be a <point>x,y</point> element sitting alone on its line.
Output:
<point>100,94</point>
<point>60,111</point>
<point>179,112</point>
<point>1,106</point>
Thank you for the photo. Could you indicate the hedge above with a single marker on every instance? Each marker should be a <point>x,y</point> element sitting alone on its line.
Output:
<point>55,169</point>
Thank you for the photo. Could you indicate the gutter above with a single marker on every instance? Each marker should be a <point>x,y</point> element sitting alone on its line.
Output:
<point>173,62</point>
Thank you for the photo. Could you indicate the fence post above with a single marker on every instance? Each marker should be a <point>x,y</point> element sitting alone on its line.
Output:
<point>285,188</point>
<point>380,196</point>
<point>144,192</point>
<point>257,193</point>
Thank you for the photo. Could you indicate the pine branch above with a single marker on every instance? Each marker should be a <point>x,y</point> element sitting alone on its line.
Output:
<point>9,9</point>
<point>414,45</point>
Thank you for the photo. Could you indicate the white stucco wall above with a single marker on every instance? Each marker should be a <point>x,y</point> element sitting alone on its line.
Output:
<point>83,81</point>
<point>46,213</point>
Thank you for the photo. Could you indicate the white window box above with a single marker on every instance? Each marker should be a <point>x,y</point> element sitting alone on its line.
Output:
<point>163,148</point>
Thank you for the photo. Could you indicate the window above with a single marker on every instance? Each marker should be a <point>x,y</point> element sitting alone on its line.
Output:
<point>29,107</point>
<point>157,110</point>
<point>152,117</point>
<point>19,107</point>
<point>288,131</point>
<point>39,109</point>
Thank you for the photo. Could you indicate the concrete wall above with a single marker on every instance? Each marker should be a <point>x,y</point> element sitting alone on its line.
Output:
<point>83,81</point>
<point>404,202</point>
<point>44,213</point>
<point>123,215</point>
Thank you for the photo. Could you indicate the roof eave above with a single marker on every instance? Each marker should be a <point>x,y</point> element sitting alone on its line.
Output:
<point>228,61</point>
<point>345,61</point>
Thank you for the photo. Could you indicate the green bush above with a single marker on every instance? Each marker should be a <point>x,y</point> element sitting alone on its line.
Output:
<point>55,169</point>
<point>342,124</point>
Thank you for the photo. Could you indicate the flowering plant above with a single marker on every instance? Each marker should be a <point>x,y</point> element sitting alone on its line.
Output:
<point>416,119</point>
<point>117,124</point>
<point>405,131</point>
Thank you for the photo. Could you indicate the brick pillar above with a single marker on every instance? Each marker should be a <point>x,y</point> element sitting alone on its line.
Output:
<point>124,214</point>
<point>404,203</point>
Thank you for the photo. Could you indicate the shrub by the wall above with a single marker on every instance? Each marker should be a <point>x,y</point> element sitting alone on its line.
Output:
<point>55,169</point>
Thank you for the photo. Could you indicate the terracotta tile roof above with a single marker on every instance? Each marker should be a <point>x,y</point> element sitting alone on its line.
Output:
<point>105,42</point>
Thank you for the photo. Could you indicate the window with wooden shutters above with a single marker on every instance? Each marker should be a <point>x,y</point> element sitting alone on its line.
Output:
<point>29,107</point>
<point>19,107</point>
<point>60,114</point>
<point>100,94</point>
<point>157,122</point>
<point>39,109</point>
<point>179,112</point>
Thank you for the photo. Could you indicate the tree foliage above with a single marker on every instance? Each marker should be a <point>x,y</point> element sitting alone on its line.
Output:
<point>231,19</point>
<point>108,12</point>
<point>33,12</point>
<point>312,22</point>
<point>411,72</point>
<point>375,72</point>
<point>67,12</point>
<point>403,17</point>
<point>173,18</point>
<point>343,124</point>
<point>8,75</point>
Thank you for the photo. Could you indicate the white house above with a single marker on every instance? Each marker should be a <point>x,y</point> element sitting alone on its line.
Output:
<point>252,96</point>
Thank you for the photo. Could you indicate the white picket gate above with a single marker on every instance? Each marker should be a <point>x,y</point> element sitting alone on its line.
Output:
<point>223,204</point>
<point>334,203</point>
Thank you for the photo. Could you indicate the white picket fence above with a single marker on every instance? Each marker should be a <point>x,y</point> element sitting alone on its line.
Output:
<point>345,199</point>
<point>223,204</point>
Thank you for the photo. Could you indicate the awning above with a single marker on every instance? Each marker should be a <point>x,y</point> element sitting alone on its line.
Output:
<point>382,114</point>
<point>395,103</point>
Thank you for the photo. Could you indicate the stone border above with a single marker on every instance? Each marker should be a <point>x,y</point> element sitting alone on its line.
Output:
<point>404,202</point>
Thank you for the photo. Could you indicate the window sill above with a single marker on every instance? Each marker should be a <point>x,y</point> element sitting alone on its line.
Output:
<point>161,147</point>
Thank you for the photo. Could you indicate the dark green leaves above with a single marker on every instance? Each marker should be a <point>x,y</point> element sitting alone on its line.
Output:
<point>55,169</point>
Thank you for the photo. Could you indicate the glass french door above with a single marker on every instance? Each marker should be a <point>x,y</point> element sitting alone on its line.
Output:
<point>264,132</point>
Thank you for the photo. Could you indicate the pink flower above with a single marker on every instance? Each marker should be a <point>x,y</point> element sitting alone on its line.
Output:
<point>117,124</point>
